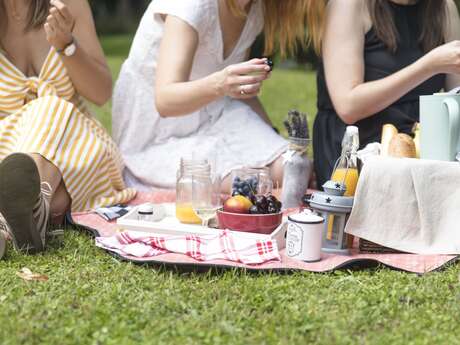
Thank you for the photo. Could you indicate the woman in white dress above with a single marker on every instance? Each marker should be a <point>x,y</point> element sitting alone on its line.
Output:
<point>187,87</point>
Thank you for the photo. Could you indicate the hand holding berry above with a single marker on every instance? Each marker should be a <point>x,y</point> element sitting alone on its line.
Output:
<point>244,80</point>
<point>59,25</point>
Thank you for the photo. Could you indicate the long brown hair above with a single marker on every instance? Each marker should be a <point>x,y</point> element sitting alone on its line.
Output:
<point>432,16</point>
<point>36,15</point>
<point>290,23</point>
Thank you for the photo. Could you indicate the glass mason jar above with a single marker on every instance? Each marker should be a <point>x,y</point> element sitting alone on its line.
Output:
<point>184,209</point>
<point>261,177</point>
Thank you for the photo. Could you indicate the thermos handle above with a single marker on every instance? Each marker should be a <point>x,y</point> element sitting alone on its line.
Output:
<point>454,122</point>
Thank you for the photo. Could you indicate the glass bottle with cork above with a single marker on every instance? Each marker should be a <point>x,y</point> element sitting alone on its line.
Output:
<point>346,169</point>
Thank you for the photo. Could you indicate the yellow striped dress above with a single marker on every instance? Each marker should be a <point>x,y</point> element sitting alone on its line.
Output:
<point>45,115</point>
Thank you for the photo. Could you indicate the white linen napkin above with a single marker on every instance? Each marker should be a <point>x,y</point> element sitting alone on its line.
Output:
<point>409,205</point>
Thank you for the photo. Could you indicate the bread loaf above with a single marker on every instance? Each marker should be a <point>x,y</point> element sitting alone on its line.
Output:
<point>402,146</point>
<point>388,132</point>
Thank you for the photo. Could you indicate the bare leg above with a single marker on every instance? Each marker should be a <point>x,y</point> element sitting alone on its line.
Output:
<point>60,204</point>
<point>48,171</point>
<point>60,200</point>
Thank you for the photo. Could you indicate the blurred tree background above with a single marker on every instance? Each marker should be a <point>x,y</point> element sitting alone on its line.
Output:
<point>123,16</point>
<point>115,17</point>
<point>118,16</point>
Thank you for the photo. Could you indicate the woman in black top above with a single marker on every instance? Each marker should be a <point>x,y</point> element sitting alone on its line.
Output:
<point>379,56</point>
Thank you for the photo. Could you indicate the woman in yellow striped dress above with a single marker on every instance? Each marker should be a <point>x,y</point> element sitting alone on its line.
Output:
<point>54,155</point>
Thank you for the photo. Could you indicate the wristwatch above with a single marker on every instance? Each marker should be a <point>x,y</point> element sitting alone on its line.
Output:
<point>70,50</point>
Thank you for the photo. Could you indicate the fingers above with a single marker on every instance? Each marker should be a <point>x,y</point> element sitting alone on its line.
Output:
<point>251,89</point>
<point>62,9</point>
<point>246,68</point>
<point>244,80</point>
<point>50,32</point>
<point>250,79</point>
<point>54,13</point>
<point>247,91</point>
<point>53,23</point>
<point>61,14</point>
<point>255,61</point>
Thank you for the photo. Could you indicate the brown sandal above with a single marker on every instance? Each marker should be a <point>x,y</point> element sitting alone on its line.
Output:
<point>19,194</point>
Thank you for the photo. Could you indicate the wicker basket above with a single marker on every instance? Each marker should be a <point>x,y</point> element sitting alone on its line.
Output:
<point>366,246</point>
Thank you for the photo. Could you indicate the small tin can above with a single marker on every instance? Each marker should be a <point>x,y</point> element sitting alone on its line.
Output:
<point>145,212</point>
<point>304,236</point>
<point>151,213</point>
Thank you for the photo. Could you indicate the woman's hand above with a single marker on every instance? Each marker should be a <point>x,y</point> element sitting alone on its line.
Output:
<point>177,95</point>
<point>444,59</point>
<point>244,80</point>
<point>59,25</point>
<point>87,67</point>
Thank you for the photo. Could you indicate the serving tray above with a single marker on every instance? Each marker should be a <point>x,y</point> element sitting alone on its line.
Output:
<point>170,225</point>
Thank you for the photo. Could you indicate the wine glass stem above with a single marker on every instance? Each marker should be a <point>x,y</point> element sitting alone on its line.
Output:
<point>205,223</point>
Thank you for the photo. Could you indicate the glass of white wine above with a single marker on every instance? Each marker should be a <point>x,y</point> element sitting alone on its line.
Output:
<point>206,196</point>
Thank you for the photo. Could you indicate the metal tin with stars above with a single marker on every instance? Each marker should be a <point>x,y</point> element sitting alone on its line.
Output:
<point>335,209</point>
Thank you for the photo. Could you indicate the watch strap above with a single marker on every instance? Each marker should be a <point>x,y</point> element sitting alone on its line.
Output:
<point>62,51</point>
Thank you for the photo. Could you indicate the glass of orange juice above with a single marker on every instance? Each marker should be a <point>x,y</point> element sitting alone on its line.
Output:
<point>184,181</point>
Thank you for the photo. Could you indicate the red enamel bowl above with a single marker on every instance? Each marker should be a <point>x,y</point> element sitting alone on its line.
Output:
<point>257,223</point>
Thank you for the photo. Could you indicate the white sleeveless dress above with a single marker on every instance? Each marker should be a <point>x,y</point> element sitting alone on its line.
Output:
<point>227,130</point>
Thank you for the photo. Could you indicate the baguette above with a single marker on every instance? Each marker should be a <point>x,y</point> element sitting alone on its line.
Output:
<point>388,132</point>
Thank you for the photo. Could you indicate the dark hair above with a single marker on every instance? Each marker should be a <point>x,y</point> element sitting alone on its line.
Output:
<point>432,17</point>
<point>36,15</point>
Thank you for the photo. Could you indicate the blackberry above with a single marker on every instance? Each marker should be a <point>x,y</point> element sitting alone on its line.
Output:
<point>270,63</point>
<point>254,210</point>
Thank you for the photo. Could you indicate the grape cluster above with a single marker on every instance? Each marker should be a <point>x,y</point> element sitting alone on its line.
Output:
<point>247,187</point>
<point>265,205</point>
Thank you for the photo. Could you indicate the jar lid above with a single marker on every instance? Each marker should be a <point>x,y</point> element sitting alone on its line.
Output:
<point>145,209</point>
<point>321,201</point>
<point>306,217</point>
<point>335,188</point>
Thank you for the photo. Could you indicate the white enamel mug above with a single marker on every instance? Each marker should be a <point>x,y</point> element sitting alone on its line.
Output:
<point>304,236</point>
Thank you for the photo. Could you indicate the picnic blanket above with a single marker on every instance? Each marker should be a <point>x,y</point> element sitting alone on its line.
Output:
<point>407,262</point>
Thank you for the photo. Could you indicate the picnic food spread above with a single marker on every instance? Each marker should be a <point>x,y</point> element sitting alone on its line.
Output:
<point>251,207</point>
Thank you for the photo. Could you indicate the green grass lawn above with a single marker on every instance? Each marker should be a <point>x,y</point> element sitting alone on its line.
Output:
<point>91,298</point>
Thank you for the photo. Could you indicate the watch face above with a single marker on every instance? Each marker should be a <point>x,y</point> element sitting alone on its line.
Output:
<point>70,50</point>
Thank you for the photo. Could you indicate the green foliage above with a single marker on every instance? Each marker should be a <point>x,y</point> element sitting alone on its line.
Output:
<point>118,16</point>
